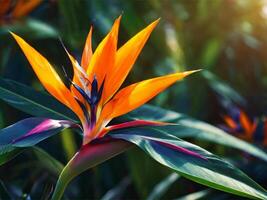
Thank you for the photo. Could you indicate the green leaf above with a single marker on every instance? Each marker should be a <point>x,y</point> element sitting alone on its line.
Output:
<point>48,161</point>
<point>7,156</point>
<point>71,14</point>
<point>44,158</point>
<point>31,27</point>
<point>33,102</point>
<point>211,52</point>
<point>68,143</point>
<point>192,162</point>
<point>117,191</point>
<point>161,188</point>
<point>4,191</point>
<point>140,168</point>
<point>195,195</point>
<point>191,128</point>
<point>224,90</point>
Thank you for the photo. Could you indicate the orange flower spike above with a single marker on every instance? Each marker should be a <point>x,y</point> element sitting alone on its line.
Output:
<point>48,76</point>
<point>103,59</point>
<point>125,59</point>
<point>246,124</point>
<point>76,75</point>
<point>230,122</point>
<point>135,95</point>
<point>5,6</point>
<point>23,7</point>
<point>87,51</point>
<point>86,57</point>
<point>11,10</point>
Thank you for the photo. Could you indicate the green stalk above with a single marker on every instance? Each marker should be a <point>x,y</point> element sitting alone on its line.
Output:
<point>62,184</point>
<point>87,157</point>
<point>68,143</point>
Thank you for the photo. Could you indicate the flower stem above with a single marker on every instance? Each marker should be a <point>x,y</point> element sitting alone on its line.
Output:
<point>87,157</point>
<point>61,185</point>
<point>64,179</point>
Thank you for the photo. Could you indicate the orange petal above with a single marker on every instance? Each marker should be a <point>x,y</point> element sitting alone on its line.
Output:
<point>76,75</point>
<point>103,58</point>
<point>125,58</point>
<point>253,128</point>
<point>23,7</point>
<point>86,56</point>
<point>246,123</point>
<point>76,79</point>
<point>5,7</point>
<point>230,122</point>
<point>87,51</point>
<point>48,76</point>
<point>135,95</point>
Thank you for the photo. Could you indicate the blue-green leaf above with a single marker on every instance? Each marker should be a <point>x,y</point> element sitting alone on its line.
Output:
<point>195,195</point>
<point>31,27</point>
<point>190,128</point>
<point>9,155</point>
<point>33,102</point>
<point>191,161</point>
<point>161,188</point>
<point>223,89</point>
<point>47,160</point>
<point>26,133</point>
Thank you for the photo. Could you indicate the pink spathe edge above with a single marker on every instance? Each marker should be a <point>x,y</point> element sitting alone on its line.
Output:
<point>181,149</point>
<point>130,124</point>
<point>175,147</point>
<point>46,125</point>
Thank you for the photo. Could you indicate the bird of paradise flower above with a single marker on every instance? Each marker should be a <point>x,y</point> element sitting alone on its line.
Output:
<point>238,123</point>
<point>95,98</point>
<point>11,10</point>
<point>94,94</point>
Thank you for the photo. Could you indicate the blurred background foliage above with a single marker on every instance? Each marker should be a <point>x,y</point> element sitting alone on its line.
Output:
<point>226,38</point>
